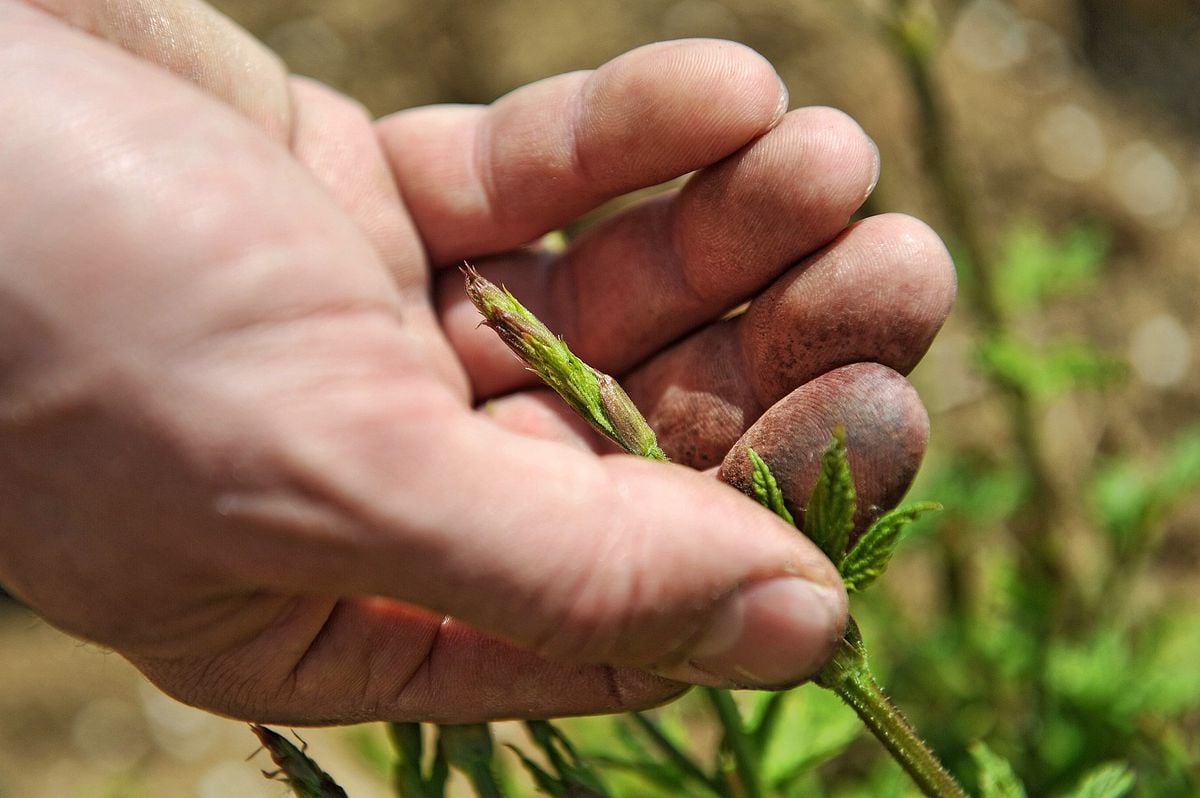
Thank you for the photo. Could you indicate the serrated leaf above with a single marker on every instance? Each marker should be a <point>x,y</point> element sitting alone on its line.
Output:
<point>1111,780</point>
<point>296,768</point>
<point>545,782</point>
<point>996,776</point>
<point>871,554</point>
<point>766,488</point>
<point>579,778</point>
<point>829,514</point>
<point>468,748</point>
<point>467,745</point>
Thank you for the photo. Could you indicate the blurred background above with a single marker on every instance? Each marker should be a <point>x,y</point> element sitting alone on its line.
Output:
<point>1053,609</point>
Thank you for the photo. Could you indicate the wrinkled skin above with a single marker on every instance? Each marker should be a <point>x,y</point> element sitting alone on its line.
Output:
<point>252,439</point>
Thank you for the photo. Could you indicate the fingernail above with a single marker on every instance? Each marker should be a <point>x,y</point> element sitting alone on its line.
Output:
<point>878,167</point>
<point>772,633</point>
<point>782,107</point>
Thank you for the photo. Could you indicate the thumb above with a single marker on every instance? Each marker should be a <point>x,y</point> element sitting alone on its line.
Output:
<point>583,559</point>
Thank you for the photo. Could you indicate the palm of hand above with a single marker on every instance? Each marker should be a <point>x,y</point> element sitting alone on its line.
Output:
<point>238,408</point>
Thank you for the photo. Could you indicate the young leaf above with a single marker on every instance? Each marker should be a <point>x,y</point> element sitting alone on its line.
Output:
<point>468,748</point>
<point>766,489</point>
<point>871,554</point>
<point>545,782</point>
<point>1111,780</point>
<point>407,774</point>
<point>573,772</point>
<point>296,768</point>
<point>829,514</point>
<point>996,776</point>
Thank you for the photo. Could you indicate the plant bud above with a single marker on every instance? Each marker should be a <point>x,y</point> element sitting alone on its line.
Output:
<point>595,396</point>
<point>632,432</point>
<point>296,768</point>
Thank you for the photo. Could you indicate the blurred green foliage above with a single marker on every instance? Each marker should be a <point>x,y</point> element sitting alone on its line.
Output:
<point>1041,654</point>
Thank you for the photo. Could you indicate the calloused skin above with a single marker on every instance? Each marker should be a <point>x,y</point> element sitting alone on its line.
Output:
<point>252,439</point>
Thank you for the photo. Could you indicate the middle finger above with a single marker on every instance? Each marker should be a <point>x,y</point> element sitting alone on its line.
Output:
<point>651,274</point>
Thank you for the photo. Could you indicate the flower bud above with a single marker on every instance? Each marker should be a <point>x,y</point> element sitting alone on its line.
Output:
<point>593,395</point>
<point>632,432</point>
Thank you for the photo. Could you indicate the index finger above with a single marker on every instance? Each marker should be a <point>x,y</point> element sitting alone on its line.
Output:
<point>480,180</point>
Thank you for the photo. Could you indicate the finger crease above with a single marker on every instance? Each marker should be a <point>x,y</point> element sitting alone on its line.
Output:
<point>483,165</point>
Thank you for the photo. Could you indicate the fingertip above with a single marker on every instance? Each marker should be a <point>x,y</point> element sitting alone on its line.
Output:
<point>879,293</point>
<point>924,258</point>
<point>887,430</point>
<point>708,97</point>
<point>772,633</point>
<point>841,148</point>
<point>670,548</point>
<point>814,168</point>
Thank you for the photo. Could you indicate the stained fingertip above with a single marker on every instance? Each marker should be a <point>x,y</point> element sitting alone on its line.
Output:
<point>879,293</point>
<point>887,430</point>
<point>814,168</point>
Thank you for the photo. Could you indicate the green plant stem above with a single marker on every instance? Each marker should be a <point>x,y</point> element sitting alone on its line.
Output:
<point>1033,526</point>
<point>745,756</point>
<point>978,288</point>
<point>680,759</point>
<point>848,675</point>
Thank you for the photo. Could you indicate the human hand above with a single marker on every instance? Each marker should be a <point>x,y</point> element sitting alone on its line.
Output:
<point>238,435</point>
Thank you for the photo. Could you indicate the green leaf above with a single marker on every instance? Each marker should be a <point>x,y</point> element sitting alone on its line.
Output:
<point>996,776</point>
<point>1131,503</point>
<point>812,727</point>
<point>296,768</point>
<point>1111,780</point>
<point>1122,498</point>
<point>468,748</point>
<point>573,771</point>
<point>545,782</point>
<point>1047,371</point>
<point>870,556</point>
<point>829,514</point>
<point>1036,267</point>
<point>766,488</point>
<point>1181,474</point>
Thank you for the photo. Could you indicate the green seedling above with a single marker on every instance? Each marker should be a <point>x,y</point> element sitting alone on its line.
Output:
<point>295,768</point>
<point>595,396</point>
<point>830,521</point>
